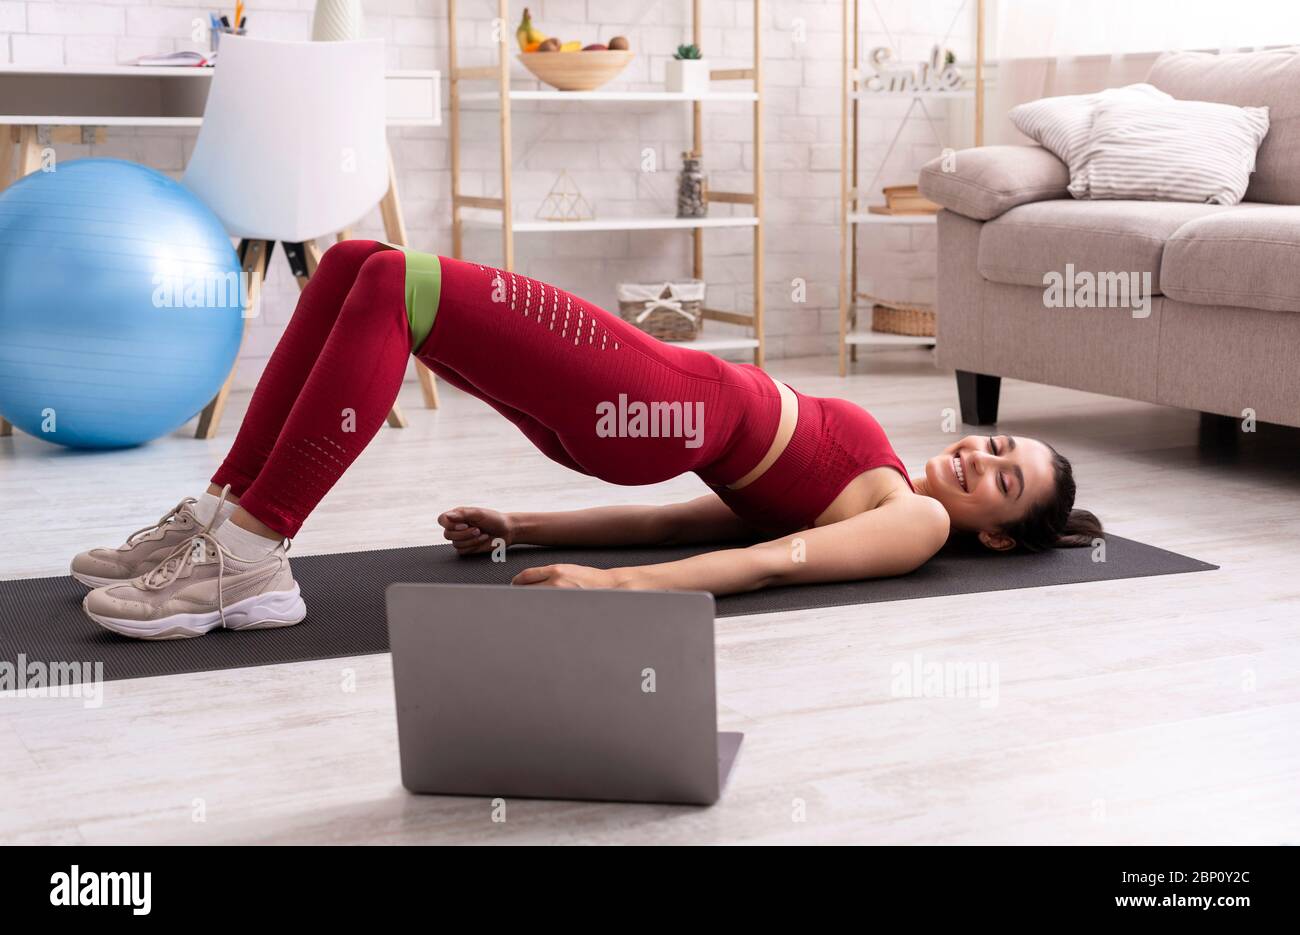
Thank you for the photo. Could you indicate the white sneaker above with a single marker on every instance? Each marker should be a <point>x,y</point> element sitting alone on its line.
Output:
<point>141,552</point>
<point>199,587</point>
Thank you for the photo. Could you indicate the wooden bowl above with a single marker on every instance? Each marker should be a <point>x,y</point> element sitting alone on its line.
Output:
<point>576,71</point>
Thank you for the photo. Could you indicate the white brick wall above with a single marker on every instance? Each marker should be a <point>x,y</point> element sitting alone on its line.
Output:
<point>601,147</point>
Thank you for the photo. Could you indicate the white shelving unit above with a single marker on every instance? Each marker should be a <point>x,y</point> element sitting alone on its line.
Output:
<point>854,200</point>
<point>497,212</point>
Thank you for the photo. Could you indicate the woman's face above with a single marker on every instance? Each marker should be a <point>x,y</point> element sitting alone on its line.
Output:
<point>988,482</point>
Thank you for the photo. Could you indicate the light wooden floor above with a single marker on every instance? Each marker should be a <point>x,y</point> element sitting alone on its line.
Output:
<point>1153,710</point>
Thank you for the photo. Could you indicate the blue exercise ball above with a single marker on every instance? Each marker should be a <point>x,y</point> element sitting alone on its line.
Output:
<point>120,304</point>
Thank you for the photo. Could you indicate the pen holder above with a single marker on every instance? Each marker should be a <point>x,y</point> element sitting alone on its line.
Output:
<point>214,35</point>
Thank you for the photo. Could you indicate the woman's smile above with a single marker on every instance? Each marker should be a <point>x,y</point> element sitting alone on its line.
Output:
<point>959,473</point>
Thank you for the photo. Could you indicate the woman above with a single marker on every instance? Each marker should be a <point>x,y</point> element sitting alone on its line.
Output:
<point>816,478</point>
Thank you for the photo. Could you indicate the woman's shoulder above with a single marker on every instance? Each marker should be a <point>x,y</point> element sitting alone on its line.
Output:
<point>927,512</point>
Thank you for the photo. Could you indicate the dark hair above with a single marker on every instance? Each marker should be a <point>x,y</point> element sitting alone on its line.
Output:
<point>1053,523</point>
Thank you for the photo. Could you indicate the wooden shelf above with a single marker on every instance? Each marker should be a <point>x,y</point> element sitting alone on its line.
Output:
<point>866,217</point>
<point>612,224</point>
<point>719,344</point>
<point>875,338</point>
<point>612,97</point>
<point>854,194</point>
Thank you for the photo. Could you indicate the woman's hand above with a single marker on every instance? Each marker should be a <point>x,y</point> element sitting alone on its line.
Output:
<point>473,529</point>
<point>573,576</point>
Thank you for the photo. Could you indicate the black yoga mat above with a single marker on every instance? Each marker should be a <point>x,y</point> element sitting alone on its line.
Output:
<point>41,618</point>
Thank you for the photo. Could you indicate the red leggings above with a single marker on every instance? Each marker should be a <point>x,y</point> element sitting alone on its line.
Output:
<point>567,373</point>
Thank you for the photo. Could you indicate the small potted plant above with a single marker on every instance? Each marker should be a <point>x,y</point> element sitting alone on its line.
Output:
<point>687,71</point>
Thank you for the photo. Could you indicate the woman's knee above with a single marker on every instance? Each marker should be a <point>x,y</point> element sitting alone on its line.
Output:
<point>383,268</point>
<point>379,289</point>
<point>349,255</point>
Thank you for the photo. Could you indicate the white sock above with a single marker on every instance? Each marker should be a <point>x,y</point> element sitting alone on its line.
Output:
<point>244,544</point>
<point>206,508</point>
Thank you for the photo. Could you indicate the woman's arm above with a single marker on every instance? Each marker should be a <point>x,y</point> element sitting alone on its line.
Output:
<point>893,539</point>
<point>704,519</point>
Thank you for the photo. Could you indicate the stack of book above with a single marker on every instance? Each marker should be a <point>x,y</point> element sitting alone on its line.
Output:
<point>904,199</point>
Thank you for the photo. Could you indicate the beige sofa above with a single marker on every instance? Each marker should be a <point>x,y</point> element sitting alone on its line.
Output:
<point>1221,331</point>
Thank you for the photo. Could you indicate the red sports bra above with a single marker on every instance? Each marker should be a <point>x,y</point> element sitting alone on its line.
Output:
<point>834,441</point>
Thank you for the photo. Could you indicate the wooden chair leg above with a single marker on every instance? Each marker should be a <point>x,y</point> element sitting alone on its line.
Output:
<point>20,153</point>
<point>253,258</point>
<point>313,257</point>
<point>395,230</point>
<point>395,417</point>
<point>20,156</point>
<point>390,206</point>
<point>8,175</point>
<point>303,259</point>
<point>8,156</point>
<point>428,385</point>
<point>29,152</point>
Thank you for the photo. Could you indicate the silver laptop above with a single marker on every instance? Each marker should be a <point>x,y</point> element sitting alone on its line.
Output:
<point>558,694</point>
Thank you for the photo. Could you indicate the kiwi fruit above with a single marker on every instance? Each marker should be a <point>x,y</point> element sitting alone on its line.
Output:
<point>595,47</point>
<point>618,42</point>
<point>550,45</point>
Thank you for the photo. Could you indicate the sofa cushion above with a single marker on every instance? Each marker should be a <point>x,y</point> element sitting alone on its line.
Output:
<point>1022,246</point>
<point>1064,124</point>
<point>1170,151</point>
<point>1258,79</point>
<point>982,183</point>
<point>1246,257</point>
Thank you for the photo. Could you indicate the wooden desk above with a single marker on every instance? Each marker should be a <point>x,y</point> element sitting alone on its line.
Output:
<point>41,105</point>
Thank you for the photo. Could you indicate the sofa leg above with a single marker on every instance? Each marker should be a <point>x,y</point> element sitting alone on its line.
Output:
<point>978,393</point>
<point>1218,431</point>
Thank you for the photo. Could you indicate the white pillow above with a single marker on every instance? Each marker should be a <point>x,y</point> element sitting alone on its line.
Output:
<point>1062,124</point>
<point>1170,151</point>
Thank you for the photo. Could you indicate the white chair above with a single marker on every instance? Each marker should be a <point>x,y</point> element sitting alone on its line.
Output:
<point>293,147</point>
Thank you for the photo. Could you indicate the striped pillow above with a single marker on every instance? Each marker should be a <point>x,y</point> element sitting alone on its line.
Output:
<point>1062,124</point>
<point>1170,151</point>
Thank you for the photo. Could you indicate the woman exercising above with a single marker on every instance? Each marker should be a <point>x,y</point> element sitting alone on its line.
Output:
<point>816,478</point>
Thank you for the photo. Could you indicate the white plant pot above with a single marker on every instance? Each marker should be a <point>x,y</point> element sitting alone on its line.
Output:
<point>690,76</point>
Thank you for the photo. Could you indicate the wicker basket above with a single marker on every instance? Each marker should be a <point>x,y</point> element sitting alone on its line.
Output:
<point>911,319</point>
<point>669,311</point>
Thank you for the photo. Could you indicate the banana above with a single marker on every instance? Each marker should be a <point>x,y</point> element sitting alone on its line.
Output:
<point>527,34</point>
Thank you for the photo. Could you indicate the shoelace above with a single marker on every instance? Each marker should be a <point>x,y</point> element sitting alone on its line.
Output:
<point>182,558</point>
<point>168,517</point>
